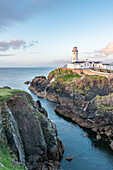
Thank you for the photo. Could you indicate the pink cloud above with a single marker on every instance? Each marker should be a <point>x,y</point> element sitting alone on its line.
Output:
<point>102,53</point>
<point>16,44</point>
<point>108,49</point>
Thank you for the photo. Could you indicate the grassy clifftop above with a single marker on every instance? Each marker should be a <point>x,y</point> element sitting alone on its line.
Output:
<point>69,75</point>
<point>65,75</point>
<point>82,83</point>
<point>74,79</point>
<point>5,93</point>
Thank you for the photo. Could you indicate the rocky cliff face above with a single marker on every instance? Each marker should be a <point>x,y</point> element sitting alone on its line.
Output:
<point>76,92</point>
<point>39,85</point>
<point>24,126</point>
<point>95,117</point>
<point>86,100</point>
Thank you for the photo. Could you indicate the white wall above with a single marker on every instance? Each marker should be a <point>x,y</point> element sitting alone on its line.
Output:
<point>70,66</point>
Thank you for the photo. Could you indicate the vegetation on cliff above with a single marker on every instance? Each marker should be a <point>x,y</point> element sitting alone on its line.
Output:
<point>5,93</point>
<point>102,70</point>
<point>65,75</point>
<point>94,77</point>
<point>8,160</point>
<point>105,102</point>
<point>78,83</point>
<point>69,75</point>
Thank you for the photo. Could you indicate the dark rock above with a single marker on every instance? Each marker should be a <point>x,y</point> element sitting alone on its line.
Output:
<point>7,87</point>
<point>27,82</point>
<point>38,85</point>
<point>111,145</point>
<point>41,109</point>
<point>69,159</point>
<point>30,134</point>
<point>39,103</point>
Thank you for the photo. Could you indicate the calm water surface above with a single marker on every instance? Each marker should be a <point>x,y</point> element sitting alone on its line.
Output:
<point>85,155</point>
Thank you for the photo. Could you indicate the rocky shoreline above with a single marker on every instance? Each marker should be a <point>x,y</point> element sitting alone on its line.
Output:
<point>26,129</point>
<point>86,100</point>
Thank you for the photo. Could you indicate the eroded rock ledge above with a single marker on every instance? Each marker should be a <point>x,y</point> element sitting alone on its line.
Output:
<point>24,127</point>
<point>86,100</point>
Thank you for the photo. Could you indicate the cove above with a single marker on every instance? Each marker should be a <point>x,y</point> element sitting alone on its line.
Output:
<point>86,156</point>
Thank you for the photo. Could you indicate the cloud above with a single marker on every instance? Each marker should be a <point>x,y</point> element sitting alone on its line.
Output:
<point>104,53</point>
<point>34,53</point>
<point>12,11</point>
<point>31,43</point>
<point>108,49</point>
<point>6,55</point>
<point>15,44</point>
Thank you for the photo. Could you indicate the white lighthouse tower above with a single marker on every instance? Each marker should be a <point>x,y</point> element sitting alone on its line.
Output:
<point>75,54</point>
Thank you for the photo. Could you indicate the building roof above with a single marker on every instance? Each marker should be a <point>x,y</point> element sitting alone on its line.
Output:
<point>91,62</point>
<point>78,62</point>
<point>106,64</point>
<point>95,62</point>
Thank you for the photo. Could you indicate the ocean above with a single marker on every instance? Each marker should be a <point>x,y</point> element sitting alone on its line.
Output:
<point>86,156</point>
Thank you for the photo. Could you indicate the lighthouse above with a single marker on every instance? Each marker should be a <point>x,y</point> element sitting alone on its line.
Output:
<point>75,54</point>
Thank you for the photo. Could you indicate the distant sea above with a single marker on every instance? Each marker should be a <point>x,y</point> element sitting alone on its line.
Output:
<point>86,156</point>
<point>15,77</point>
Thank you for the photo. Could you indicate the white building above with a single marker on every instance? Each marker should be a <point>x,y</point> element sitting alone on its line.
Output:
<point>78,64</point>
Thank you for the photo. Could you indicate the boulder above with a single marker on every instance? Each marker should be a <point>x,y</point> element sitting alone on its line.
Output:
<point>111,145</point>
<point>98,137</point>
<point>69,159</point>
<point>27,82</point>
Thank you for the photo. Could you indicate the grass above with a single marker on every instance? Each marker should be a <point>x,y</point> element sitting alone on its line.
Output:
<point>6,161</point>
<point>105,107</point>
<point>5,93</point>
<point>63,74</point>
<point>68,78</point>
<point>53,73</point>
<point>102,70</point>
<point>87,88</point>
<point>79,90</point>
<point>69,75</point>
<point>95,77</point>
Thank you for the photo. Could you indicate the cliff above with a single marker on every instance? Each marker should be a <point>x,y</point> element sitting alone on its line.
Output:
<point>27,132</point>
<point>85,99</point>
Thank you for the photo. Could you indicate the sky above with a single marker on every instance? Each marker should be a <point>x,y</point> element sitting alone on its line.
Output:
<point>42,33</point>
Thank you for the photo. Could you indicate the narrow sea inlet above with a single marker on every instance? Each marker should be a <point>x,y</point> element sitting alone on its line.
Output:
<point>86,155</point>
